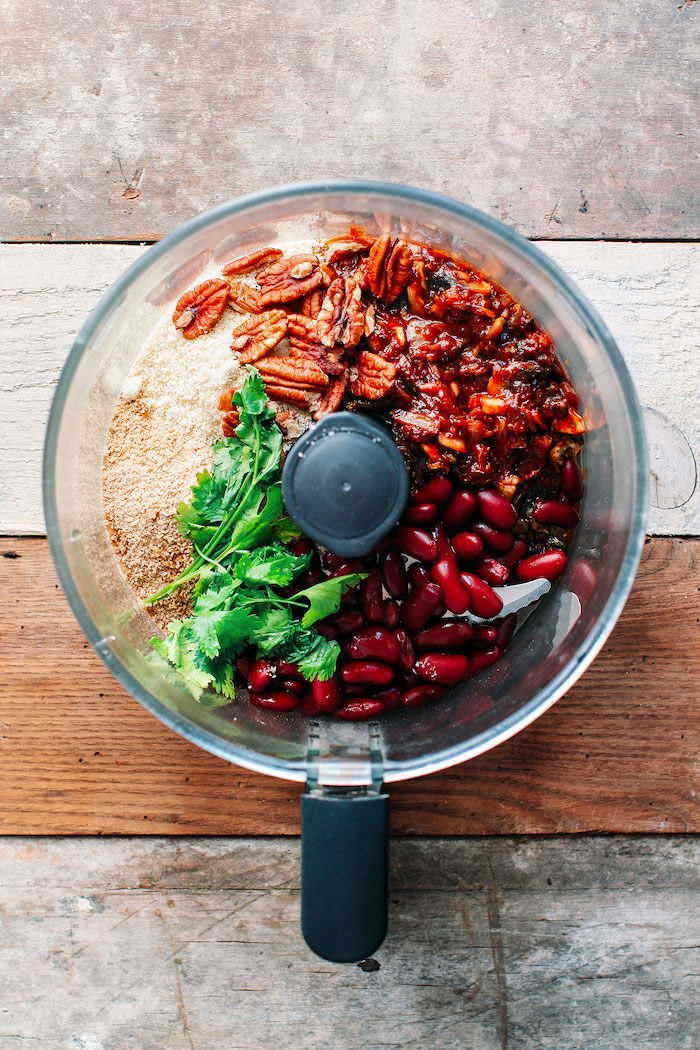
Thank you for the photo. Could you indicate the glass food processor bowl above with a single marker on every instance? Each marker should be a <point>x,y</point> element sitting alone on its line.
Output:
<point>547,654</point>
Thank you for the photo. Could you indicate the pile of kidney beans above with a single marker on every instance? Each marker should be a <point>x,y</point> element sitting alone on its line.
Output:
<point>402,641</point>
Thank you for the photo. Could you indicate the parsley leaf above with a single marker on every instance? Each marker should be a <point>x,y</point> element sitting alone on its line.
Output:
<point>273,564</point>
<point>324,597</point>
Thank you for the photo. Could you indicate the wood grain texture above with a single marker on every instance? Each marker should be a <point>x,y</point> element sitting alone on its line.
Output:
<point>122,120</point>
<point>621,752</point>
<point>648,294</point>
<point>493,945</point>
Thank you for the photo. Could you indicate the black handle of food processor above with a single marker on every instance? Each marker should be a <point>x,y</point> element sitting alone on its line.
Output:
<point>344,858</point>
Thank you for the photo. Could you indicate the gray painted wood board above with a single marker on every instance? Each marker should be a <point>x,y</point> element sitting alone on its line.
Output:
<point>495,944</point>
<point>122,120</point>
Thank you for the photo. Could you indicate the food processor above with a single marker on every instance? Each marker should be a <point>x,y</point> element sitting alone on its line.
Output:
<point>344,766</point>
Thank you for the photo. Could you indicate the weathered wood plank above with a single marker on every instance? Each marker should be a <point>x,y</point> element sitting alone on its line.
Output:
<point>621,752</point>
<point>649,294</point>
<point>122,120</point>
<point>493,944</point>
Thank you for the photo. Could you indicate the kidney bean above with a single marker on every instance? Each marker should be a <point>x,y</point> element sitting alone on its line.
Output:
<point>571,480</point>
<point>287,669</point>
<point>391,615</point>
<point>515,555</point>
<point>439,612</point>
<point>421,514</point>
<point>467,545</point>
<point>349,598</point>
<point>383,545</point>
<point>416,543</point>
<point>485,601</point>
<point>555,512</point>
<point>373,643</point>
<point>497,539</point>
<point>327,694</point>
<point>506,626</point>
<point>407,656</point>
<point>308,578</point>
<point>485,636</point>
<point>549,565</point>
<point>394,572</point>
<point>261,675</point>
<point>420,605</point>
<point>449,634</point>
<point>347,620</point>
<point>491,571</point>
<point>455,595</point>
<point>332,561</point>
<point>438,490</point>
<point>359,710</point>
<point>418,574</point>
<point>326,629</point>
<point>277,701</point>
<point>482,659</point>
<point>444,547</point>
<point>243,665</point>
<point>371,601</point>
<point>583,580</point>
<point>292,685</point>
<point>420,695</point>
<point>302,546</point>
<point>346,568</point>
<point>496,509</point>
<point>308,704</point>
<point>459,511</point>
<point>391,698</point>
<point>355,689</point>
<point>409,679</point>
<point>445,668</point>
<point>367,672</point>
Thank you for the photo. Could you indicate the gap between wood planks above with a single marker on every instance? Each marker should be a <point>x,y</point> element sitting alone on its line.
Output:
<point>620,752</point>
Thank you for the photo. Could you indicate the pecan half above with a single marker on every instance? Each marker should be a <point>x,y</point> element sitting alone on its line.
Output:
<point>311,303</point>
<point>292,395</point>
<point>350,248</point>
<point>296,370</point>
<point>229,422</point>
<point>282,417</point>
<point>198,310</point>
<point>289,279</point>
<point>375,376</point>
<point>231,418</point>
<point>417,290</point>
<point>333,397</point>
<point>303,327</point>
<point>341,318</point>
<point>259,334</point>
<point>390,265</point>
<point>250,262</point>
<point>244,298</point>
<point>356,235</point>
<point>329,363</point>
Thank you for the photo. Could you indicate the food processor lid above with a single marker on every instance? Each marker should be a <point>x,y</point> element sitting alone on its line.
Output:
<point>345,483</point>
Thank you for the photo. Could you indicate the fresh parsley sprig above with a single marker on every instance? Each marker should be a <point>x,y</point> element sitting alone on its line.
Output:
<point>243,573</point>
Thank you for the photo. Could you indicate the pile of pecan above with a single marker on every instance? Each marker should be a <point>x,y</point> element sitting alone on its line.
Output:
<point>319,311</point>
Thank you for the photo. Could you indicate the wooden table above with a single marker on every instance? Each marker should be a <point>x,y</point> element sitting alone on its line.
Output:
<point>577,126</point>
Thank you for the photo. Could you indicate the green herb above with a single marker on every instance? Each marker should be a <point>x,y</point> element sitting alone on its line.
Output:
<point>237,525</point>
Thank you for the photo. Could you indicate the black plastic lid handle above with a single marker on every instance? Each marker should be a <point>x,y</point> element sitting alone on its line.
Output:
<point>345,483</point>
